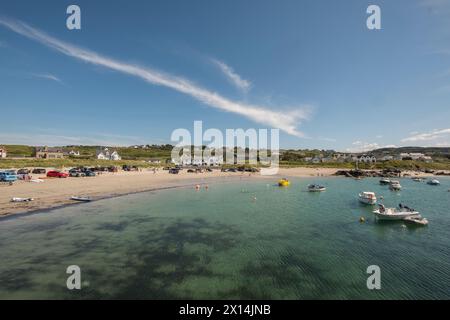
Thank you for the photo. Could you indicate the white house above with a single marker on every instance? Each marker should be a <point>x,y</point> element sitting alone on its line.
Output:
<point>2,152</point>
<point>186,160</point>
<point>105,154</point>
<point>367,159</point>
<point>415,156</point>
<point>74,153</point>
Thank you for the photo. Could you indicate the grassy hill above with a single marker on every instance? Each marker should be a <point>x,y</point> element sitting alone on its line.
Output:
<point>89,152</point>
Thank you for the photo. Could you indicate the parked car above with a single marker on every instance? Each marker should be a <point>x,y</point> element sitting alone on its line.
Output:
<point>174,171</point>
<point>76,173</point>
<point>191,171</point>
<point>57,174</point>
<point>39,171</point>
<point>7,176</point>
<point>112,169</point>
<point>23,171</point>
<point>89,173</point>
<point>209,170</point>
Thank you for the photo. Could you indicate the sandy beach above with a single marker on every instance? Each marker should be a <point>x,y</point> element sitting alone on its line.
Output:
<point>54,192</point>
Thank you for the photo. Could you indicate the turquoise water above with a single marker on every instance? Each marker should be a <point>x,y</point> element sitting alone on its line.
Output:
<point>221,243</point>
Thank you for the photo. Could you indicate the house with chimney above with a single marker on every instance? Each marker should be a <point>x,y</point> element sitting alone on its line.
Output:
<point>49,153</point>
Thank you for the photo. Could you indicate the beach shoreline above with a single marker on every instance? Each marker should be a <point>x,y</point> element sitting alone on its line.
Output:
<point>55,192</point>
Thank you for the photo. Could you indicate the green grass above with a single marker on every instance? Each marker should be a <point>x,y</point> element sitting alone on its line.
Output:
<point>19,151</point>
<point>86,152</point>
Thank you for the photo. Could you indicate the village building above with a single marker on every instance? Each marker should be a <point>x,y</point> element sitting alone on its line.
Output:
<point>2,152</point>
<point>415,156</point>
<point>367,159</point>
<point>74,153</point>
<point>49,153</point>
<point>106,154</point>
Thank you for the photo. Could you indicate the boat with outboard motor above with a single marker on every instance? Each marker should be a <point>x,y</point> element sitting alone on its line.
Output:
<point>316,188</point>
<point>367,197</point>
<point>401,213</point>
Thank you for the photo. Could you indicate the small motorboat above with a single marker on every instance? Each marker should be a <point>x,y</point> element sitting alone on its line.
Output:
<point>403,212</point>
<point>385,181</point>
<point>433,182</point>
<point>417,179</point>
<point>417,220</point>
<point>284,182</point>
<point>21,199</point>
<point>316,188</point>
<point>82,199</point>
<point>367,197</point>
<point>395,185</point>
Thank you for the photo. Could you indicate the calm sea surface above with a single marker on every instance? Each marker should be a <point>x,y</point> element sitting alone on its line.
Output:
<point>221,243</point>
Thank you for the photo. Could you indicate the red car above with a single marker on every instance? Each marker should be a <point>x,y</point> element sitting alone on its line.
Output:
<point>57,174</point>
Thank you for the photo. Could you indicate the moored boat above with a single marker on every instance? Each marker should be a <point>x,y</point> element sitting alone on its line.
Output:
<point>83,199</point>
<point>395,185</point>
<point>284,182</point>
<point>403,212</point>
<point>316,188</point>
<point>385,181</point>
<point>367,197</point>
<point>417,220</point>
<point>433,182</point>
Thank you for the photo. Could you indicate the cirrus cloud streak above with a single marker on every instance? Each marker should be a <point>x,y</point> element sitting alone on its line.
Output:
<point>287,121</point>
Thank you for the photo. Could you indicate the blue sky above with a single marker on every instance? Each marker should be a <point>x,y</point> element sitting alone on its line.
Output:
<point>311,68</point>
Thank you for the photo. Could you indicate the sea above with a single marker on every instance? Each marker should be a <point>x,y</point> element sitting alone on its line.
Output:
<point>246,239</point>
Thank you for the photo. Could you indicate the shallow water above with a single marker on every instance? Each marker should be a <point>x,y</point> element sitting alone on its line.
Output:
<point>221,243</point>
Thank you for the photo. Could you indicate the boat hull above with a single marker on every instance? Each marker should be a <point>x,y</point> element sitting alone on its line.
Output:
<point>396,215</point>
<point>368,201</point>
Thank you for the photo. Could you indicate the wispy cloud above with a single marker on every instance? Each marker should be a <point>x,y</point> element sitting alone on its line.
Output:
<point>428,136</point>
<point>232,76</point>
<point>287,121</point>
<point>47,76</point>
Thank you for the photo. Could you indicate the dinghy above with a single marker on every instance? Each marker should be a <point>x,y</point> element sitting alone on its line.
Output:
<point>83,199</point>
<point>417,220</point>
<point>316,188</point>
<point>21,199</point>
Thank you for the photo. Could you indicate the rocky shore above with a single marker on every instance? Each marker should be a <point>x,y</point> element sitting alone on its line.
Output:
<point>388,173</point>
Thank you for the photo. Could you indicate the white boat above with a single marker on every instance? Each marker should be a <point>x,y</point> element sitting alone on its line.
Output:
<point>367,197</point>
<point>316,188</point>
<point>417,179</point>
<point>84,199</point>
<point>395,185</point>
<point>21,199</point>
<point>403,212</point>
<point>417,220</point>
<point>385,181</point>
<point>433,182</point>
